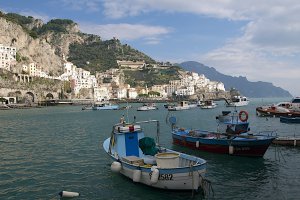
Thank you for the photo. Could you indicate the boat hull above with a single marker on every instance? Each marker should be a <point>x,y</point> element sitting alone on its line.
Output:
<point>251,148</point>
<point>106,108</point>
<point>273,113</point>
<point>291,120</point>
<point>182,178</point>
<point>238,104</point>
<point>146,108</point>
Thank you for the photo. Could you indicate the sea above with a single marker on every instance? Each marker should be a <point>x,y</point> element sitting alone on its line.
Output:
<point>47,150</point>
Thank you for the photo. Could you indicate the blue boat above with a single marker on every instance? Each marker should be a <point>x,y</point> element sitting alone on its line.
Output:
<point>291,120</point>
<point>143,160</point>
<point>105,106</point>
<point>232,137</point>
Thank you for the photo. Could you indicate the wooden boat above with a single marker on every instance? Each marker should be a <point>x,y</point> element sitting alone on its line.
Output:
<point>147,107</point>
<point>142,160</point>
<point>209,104</point>
<point>167,105</point>
<point>237,101</point>
<point>183,105</point>
<point>127,107</point>
<point>276,111</point>
<point>233,137</point>
<point>287,141</point>
<point>290,119</point>
<point>87,107</point>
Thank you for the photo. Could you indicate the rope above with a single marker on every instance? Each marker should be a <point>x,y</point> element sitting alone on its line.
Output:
<point>192,172</point>
<point>206,186</point>
<point>278,154</point>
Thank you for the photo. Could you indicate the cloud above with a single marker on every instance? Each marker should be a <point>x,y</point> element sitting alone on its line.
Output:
<point>87,5</point>
<point>240,57</point>
<point>151,34</point>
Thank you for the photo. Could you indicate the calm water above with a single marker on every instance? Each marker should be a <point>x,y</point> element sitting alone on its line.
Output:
<point>44,151</point>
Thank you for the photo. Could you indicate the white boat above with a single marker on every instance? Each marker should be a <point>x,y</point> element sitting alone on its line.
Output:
<point>295,104</point>
<point>141,159</point>
<point>183,105</point>
<point>105,106</point>
<point>147,107</point>
<point>209,104</point>
<point>87,107</point>
<point>237,101</point>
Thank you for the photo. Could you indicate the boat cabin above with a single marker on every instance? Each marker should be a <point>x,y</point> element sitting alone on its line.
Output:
<point>184,103</point>
<point>129,140</point>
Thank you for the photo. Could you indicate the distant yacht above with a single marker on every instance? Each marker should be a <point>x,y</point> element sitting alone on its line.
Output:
<point>237,101</point>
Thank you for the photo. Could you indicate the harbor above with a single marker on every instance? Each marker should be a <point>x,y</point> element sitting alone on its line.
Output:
<point>59,148</point>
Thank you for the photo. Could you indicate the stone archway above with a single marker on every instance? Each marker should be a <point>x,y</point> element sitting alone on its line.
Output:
<point>12,100</point>
<point>29,97</point>
<point>18,95</point>
<point>49,96</point>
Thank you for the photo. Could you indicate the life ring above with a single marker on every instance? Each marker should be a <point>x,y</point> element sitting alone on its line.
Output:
<point>243,113</point>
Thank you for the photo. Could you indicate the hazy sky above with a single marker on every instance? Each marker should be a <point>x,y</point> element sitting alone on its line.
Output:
<point>259,39</point>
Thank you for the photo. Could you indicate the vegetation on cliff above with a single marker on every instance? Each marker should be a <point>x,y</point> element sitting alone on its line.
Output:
<point>100,55</point>
<point>151,76</point>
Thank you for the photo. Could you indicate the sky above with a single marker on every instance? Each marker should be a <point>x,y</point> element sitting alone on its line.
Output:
<point>258,39</point>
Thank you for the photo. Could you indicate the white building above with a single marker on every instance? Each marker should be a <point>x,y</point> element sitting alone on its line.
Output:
<point>121,93</point>
<point>7,56</point>
<point>134,65</point>
<point>161,89</point>
<point>102,93</point>
<point>185,91</point>
<point>132,93</point>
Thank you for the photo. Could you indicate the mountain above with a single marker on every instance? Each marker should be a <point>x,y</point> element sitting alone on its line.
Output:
<point>60,40</point>
<point>258,89</point>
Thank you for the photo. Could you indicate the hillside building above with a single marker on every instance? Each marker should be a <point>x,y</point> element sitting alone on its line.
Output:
<point>7,56</point>
<point>133,65</point>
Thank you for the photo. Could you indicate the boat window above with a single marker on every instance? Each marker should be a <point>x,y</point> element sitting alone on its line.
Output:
<point>296,101</point>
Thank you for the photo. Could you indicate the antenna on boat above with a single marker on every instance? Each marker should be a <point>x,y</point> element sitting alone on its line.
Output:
<point>127,108</point>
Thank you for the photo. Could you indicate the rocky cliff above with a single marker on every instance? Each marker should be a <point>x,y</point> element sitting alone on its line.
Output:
<point>29,49</point>
<point>45,44</point>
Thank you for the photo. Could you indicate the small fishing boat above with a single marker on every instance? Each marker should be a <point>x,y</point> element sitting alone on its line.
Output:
<point>208,104</point>
<point>290,120</point>
<point>237,101</point>
<point>167,105</point>
<point>105,106</point>
<point>127,107</point>
<point>147,107</point>
<point>143,160</point>
<point>87,107</point>
<point>276,111</point>
<point>232,137</point>
<point>183,105</point>
<point>287,141</point>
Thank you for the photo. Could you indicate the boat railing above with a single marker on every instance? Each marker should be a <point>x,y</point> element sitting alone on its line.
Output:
<point>157,127</point>
<point>268,133</point>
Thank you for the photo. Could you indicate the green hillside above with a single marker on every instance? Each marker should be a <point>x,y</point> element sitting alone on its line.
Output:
<point>91,52</point>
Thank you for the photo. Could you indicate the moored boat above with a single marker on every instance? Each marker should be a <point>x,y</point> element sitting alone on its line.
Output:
<point>237,101</point>
<point>147,107</point>
<point>141,159</point>
<point>295,120</point>
<point>276,111</point>
<point>87,107</point>
<point>105,106</point>
<point>183,105</point>
<point>208,104</point>
<point>233,137</point>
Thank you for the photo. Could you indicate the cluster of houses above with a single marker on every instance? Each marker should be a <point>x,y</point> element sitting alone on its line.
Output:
<point>110,84</point>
